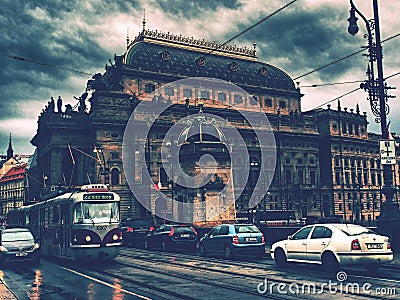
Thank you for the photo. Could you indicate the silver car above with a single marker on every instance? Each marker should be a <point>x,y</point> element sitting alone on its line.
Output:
<point>333,246</point>
<point>233,239</point>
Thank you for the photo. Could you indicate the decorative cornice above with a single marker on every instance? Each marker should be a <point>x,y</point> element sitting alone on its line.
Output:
<point>191,43</point>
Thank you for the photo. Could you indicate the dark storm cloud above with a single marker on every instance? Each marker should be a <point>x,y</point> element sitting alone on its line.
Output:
<point>83,35</point>
<point>307,40</point>
<point>190,9</point>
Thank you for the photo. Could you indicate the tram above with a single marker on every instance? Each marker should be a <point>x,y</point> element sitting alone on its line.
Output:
<point>79,224</point>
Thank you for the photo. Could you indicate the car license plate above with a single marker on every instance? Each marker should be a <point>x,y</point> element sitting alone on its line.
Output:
<point>21,254</point>
<point>374,246</point>
<point>185,235</point>
<point>251,239</point>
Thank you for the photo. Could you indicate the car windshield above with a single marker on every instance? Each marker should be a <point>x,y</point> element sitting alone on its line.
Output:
<point>354,229</point>
<point>96,212</point>
<point>246,229</point>
<point>183,229</point>
<point>16,236</point>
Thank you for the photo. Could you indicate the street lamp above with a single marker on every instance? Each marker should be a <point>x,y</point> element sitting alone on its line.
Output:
<point>390,213</point>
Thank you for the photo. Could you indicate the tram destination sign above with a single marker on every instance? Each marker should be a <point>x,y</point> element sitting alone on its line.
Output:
<point>387,149</point>
<point>98,196</point>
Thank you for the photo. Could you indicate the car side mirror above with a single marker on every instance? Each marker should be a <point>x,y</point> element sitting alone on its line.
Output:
<point>204,235</point>
<point>289,237</point>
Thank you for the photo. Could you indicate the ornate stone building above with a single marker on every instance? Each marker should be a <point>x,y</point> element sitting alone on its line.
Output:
<point>326,164</point>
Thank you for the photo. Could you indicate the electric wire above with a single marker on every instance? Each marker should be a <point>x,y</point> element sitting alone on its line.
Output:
<point>19,58</point>
<point>350,92</point>
<point>254,25</point>
<point>343,58</point>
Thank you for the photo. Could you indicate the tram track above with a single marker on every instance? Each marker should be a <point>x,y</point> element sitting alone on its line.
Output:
<point>273,275</point>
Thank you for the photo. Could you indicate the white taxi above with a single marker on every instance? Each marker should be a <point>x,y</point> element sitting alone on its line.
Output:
<point>333,246</point>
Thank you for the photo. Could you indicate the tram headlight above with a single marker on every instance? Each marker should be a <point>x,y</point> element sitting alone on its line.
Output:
<point>115,237</point>
<point>36,246</point>
<point>88,238</point>
<point>3,249</point>
<point>75,239</point>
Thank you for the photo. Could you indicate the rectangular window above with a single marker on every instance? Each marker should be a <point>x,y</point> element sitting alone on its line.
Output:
<point>350,129</point>
<point>312,177</point>
<point>238,99</point>
<point>300,176</point>
<point>282,104</point>
<point>149,87</point>
<point>373,179</point>
<point>205,94</point>
<point>337,178</point>
<point>344,128</point>
<point>268,102</point>
<point>347,177</point>
<point>169,91</point>
<point>187,93</point>
<point>222,97</point>
<point>163,177</point>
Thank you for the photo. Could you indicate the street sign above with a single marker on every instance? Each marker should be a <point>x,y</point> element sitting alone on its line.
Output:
<point>387,150</point>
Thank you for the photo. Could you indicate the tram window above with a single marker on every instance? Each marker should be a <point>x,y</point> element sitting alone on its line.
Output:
<point>94,212</point>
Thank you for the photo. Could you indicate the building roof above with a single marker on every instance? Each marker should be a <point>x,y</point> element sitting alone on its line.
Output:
<point>15,173</point>
<point>165,53</point>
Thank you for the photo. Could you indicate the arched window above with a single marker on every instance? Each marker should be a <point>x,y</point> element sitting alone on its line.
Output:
<point>115,176</point>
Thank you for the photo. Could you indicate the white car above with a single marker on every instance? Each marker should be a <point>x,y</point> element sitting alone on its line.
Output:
<point>333,246</point>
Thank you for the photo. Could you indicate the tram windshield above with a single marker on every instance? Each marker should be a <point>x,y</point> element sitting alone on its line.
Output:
<point>96,212</point>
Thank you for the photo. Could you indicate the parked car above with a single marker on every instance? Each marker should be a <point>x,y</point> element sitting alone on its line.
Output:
<point>134,231</point>
<point>333,246</point>
<point>233,239</point>
<point>172,237</point>
<point>18,244</point>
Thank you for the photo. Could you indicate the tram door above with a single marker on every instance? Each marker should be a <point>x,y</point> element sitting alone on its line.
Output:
<point>65,228</point>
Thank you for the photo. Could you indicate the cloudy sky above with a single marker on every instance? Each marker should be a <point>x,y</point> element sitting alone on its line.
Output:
<point>83,35</point>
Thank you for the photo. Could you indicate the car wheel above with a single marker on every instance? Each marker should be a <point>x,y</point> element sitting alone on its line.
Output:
<point>203,251</point>
<point>280,258</point>
<point>228,252</point>
<point>330,263</point>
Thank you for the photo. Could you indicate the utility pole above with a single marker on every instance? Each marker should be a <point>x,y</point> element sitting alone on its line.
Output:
<point>389,219</point>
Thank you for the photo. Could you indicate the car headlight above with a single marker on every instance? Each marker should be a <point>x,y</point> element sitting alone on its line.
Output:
<point>3,249</point>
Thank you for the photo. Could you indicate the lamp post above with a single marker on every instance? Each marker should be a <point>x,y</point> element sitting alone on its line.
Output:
<point>390,214</point>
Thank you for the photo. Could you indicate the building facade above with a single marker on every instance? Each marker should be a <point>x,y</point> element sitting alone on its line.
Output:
<point>325,162</point>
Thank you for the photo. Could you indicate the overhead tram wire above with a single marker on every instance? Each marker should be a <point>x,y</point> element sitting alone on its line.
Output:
<point>19,58</point>
<point>350,92</point>
<point>343,58</point>
<point>334,83</point>
<point>251,27</point>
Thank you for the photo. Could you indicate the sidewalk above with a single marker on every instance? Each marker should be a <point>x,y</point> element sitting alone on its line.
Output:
<point>6,293</point>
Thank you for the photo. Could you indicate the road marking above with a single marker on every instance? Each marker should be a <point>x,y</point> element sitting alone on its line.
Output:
<point>105,283</point>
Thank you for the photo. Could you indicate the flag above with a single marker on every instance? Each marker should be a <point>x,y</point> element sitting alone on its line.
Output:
<point>158,186</point>
<point>390,137</point>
